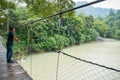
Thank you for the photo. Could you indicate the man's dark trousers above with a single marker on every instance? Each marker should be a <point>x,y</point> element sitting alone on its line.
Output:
<point>9,53</point>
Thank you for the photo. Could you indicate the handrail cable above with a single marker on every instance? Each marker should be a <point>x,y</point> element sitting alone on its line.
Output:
<point>88,61</point>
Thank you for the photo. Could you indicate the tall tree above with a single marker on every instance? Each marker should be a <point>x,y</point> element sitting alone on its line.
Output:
<point>111,13</point>
<point>110,19</point>
<point>101,28</point>
<point>118,15</point>
<point>47,7</point>
<point>89,21</point>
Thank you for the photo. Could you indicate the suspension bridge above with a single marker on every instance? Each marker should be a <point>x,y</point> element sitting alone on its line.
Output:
<point>60,66</point>
<point>65,66</point>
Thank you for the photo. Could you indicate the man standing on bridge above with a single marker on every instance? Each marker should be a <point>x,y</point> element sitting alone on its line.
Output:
<point>9,44</point>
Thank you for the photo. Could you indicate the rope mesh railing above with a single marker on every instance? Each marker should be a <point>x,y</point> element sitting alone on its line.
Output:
<point>71,68</point>
<point>49,67</point>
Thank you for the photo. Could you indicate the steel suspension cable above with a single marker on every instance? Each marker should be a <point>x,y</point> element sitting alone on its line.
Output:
<point>62,12</point>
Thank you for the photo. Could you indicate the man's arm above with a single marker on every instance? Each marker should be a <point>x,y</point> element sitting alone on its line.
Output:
<point>16,39</point>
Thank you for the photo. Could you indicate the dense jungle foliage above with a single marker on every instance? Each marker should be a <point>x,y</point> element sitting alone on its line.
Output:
<point>48,35</point>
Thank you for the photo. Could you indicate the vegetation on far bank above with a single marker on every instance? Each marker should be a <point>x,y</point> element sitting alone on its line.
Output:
<point>48,35</point>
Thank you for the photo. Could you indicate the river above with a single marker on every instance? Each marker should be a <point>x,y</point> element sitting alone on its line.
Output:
<point>43,66</point>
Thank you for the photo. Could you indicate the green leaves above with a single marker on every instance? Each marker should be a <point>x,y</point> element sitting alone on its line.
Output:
<point>101,28</point>
<point>113,21</point>
<point>7,4</point>
<point>117,34</point>
<point>50,36</point>
<point>50,43</point>
<point>44,8</point>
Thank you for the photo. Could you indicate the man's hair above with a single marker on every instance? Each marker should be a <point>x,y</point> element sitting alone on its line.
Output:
<point>11,28</point>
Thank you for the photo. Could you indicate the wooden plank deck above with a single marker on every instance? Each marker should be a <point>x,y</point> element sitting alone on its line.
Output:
<point>11,71</point>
